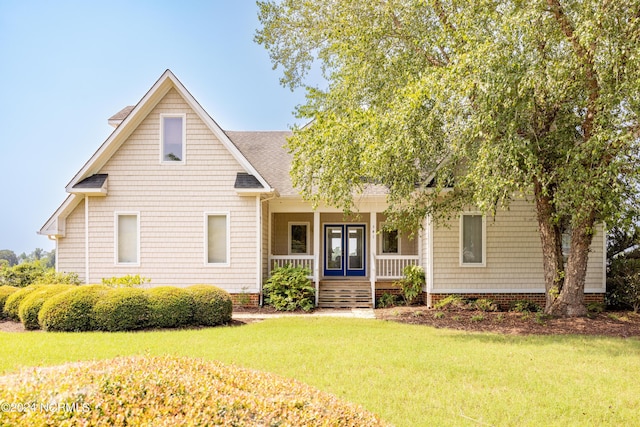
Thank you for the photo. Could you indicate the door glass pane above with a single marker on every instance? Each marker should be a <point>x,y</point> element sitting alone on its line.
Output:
<point>356,247</point>
<point>334,248</point>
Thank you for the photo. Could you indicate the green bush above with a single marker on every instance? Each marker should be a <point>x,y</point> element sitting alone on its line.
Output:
<point>170,307</point>
<point>289,288</point>
<point>211,305</point>
<point>623,283</point>
<point>12,304</point>
<point>30,306</point>
<point>122,309</point>
<point>72,310</point>
<point>23,274</point>
<point>171,391</point>
<point>485,304</point>
<point>453,302</point>
<point>128,281</point>
<point>387,299</point>
<point>524,306</point>
<point>5,291</point>
<point>412,283</point>
<point>52,277</point>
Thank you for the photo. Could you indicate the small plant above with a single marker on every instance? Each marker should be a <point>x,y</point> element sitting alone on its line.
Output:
<point>412,283</point>
<point>499,318</point>
<point>477,318</point>
<point>387,299</point>
<point>417,313</point>
<point>452,302</point>
<point>289,288</point>
<point>541,318</point>
<point>485,304</point>
<point>52,277</point>
<point>457,318</point>
<point>243,299</point>
<point>438,315</point>
<point>524,306</point>
<point>128,281</point>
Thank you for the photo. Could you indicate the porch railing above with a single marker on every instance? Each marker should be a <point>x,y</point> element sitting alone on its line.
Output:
<point>295,260</point>
<point>391,266</point>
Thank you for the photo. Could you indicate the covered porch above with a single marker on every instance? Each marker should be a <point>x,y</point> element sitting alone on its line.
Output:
<point>349,256</point>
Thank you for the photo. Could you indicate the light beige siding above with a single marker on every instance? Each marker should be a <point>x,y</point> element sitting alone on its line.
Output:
<point>513,256</point>
<point>71,248</point>
<point>280,231</point>
<point>172,201</point>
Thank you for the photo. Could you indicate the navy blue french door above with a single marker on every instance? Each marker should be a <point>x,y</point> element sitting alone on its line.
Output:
<point>344,250</point>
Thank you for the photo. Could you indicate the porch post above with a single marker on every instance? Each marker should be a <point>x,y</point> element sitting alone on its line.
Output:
<point>316,253</point>
<point>373,220</point>
<point>429,261</point>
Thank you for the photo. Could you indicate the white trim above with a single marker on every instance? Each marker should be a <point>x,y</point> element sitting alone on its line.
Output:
<point>429,269</point>
<point>503,291</point>
<point>183,159</point>
<point>484,241</point>
<point>86,240</point>
<point>258,243</point>
<point>373,245</point>
<point>116,215</point>
<point>226,214</point>
<point>317,237</point>
<point>605,236</point>
<point>289,225</point>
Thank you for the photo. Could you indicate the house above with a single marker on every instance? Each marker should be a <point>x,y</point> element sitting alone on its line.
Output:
<point>173,197</point>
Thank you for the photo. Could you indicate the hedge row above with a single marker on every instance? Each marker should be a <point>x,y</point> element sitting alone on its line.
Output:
<point>168,391</point>
<point>99,307</point>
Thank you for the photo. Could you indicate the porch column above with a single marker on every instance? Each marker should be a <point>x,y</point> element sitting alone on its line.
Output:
<point>316,253</point>
<point>374,248</point>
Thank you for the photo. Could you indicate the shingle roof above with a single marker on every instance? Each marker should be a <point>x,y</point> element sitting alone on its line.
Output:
<point>246,181</point>
<point>122,114</point>
<point>94,181</point>
<point>266,151</point>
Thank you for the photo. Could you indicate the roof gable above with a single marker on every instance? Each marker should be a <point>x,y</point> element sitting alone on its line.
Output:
<point>140,111</point>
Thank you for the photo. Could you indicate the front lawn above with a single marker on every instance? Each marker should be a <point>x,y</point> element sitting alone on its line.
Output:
<point>409,375</point>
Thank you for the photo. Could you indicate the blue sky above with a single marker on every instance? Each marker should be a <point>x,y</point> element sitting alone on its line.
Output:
<point>69,65</point>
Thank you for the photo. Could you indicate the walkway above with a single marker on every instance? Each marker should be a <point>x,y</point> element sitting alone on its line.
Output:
<point>353,313</point>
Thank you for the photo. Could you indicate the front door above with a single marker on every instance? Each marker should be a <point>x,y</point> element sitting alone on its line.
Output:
<point>345,251</point>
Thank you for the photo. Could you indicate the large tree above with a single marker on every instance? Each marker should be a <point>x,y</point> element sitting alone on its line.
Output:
<point>497,99</point>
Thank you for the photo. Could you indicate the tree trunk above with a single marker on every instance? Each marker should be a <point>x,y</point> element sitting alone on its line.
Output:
<point>570,302</point>
<point>551,239</point>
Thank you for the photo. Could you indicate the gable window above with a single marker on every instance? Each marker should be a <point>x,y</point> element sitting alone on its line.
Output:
<point>298,238</point>
<point>472,240</point>
<point>127,238</point>
<point>172,136</point>
<point>217,248</point>
<point>390,241</point>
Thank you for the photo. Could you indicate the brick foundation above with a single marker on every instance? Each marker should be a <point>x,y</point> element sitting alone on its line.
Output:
<point>504,300</point>
<point>245,300</point>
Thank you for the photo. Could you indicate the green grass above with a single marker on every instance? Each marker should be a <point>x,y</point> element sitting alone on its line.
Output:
<point>409,375</point>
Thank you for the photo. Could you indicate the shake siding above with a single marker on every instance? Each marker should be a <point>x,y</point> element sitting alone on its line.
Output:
<point>71,251</point>
<point>513,256</point>
<point>172,201</point>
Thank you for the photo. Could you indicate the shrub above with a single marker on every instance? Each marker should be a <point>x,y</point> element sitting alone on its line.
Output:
<point>12,304</point>
<point>170,307</point>
<point>524,306</point>
<point>145,391</point>
<point>23,274</point>
<point>412,283</point>
<point>30,306</point>
<point>122,309</point>
<point>289,289</point>
<point>72,310</point>
<point>623,285</point>
<point>127,281</point>
<point>5,291</point>
<point>387,299</point>
<point>485,304</point>
<point>453,302</point>
<point>52,277</point>
<point>211,305</point>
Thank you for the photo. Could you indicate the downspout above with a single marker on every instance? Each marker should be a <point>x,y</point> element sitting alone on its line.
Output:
<point>86,239</point>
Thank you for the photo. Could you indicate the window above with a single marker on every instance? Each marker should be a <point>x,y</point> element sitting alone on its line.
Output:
<point>298,238</point>
<point>127,238</point>
<point>472,240</point>
<point>172,136</point>
<point>390,241</point>
<point>217,239</point>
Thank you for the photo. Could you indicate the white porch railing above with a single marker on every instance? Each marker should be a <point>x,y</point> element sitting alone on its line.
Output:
<point>295,260</point>
<point>391,266</point>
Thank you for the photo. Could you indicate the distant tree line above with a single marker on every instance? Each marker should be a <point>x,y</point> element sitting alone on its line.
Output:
<point>9,258</point>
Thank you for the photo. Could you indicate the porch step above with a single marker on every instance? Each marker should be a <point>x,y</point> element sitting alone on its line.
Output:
<point>345,294</point>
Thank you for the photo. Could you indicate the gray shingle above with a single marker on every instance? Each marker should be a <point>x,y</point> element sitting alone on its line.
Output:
<point>94,181</point>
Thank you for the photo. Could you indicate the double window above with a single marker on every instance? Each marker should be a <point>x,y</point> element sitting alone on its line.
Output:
<point>472,240</point>
<point>127,225</point>
<point>172,138</point>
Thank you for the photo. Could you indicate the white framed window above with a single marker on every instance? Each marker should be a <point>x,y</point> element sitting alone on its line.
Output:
<point>473,240</point>
<point>299,238</point>
<point>127,238</point>
<point>217,238</point>
<point>389,240</point>
<point>173,138</point>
